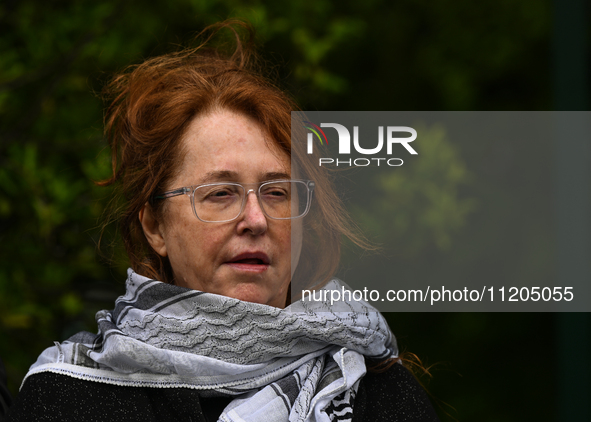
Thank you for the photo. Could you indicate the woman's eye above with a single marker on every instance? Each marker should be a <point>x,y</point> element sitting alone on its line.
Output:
<point>275,193</point>
<point>220,193</point>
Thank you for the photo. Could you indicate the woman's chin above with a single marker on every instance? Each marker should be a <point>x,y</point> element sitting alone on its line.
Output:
<point>257,294</point>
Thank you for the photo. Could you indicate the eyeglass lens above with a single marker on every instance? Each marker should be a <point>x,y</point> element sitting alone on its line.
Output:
<point>222,202</point>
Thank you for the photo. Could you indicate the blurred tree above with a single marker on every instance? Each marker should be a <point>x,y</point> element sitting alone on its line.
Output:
<point>422,205</point>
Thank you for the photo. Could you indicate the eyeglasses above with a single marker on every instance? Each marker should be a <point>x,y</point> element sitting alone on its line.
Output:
<point>223,202</point>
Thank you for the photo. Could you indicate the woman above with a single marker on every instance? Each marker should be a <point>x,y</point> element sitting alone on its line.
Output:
<point>207,329</point>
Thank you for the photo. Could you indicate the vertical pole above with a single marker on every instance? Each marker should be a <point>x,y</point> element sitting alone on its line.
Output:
<point>573,205</point>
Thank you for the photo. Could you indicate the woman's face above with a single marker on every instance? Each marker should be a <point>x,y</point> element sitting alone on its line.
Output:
<point>248,258</point>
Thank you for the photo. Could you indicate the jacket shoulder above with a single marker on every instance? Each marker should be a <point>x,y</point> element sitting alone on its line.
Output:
<point>392,395</point>
<point>56,397</point>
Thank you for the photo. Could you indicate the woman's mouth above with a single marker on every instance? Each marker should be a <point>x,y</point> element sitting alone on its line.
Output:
<point>251,262</point>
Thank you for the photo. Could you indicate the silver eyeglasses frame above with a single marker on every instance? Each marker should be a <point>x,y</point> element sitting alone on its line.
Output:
<point>247,188</point>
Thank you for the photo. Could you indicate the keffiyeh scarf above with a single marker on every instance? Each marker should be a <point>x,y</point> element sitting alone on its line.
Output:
<point>301,363</point>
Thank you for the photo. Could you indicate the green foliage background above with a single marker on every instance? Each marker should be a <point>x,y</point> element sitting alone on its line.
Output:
<point>346,55</point>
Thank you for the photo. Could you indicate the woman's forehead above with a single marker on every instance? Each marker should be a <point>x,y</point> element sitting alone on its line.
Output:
<point>225,145</point>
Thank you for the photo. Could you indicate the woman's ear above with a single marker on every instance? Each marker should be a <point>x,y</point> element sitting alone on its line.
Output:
<point>152,230</point>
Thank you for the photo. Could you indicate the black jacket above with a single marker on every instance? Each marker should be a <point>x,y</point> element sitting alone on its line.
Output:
<point>390,396</point>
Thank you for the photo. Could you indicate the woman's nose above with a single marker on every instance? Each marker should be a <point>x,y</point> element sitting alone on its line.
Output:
<point>253,218</point>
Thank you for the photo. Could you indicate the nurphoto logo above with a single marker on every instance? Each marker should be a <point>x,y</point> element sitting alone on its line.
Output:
<point>344,144</point>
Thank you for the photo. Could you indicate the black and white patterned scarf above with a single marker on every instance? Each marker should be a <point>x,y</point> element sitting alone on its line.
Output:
<point>301,363</point>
